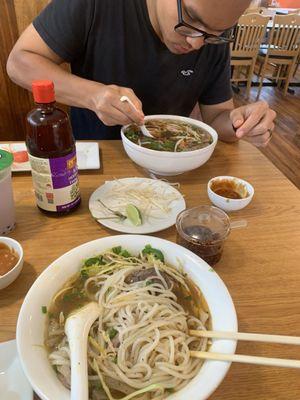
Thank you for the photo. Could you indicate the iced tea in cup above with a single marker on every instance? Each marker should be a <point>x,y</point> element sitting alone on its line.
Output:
<point>203,230</point>
<point>7,209</point>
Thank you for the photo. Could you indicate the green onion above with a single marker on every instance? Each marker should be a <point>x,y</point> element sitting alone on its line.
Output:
<point>44,309</point>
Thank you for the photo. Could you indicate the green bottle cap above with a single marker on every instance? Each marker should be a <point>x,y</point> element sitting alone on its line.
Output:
<point>6,159</point>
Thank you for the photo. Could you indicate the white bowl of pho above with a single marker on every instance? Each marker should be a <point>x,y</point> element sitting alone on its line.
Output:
<point>179,144</point>
<point>151,292</point>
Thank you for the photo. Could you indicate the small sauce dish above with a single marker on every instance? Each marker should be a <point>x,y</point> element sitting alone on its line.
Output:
<point>229,193</point>
<point>11,260</point>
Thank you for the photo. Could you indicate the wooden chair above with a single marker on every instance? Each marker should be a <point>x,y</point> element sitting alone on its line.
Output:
<point>260,10</point>
<point>282,50</point>
<point>249,33</point>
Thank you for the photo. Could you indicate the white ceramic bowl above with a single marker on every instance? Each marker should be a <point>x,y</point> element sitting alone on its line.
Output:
<point>31,321</point>
<point>167,162</point>
<point>11,275</point>
<point>225,203</point>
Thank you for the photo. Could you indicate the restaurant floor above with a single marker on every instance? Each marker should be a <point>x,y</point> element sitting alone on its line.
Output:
<point>284,148</point>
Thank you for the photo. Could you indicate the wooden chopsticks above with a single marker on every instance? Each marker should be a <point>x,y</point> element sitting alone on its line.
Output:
<point>276,362</point>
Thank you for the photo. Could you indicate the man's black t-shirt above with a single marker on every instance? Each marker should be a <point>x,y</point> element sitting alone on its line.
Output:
<point>113,42</point>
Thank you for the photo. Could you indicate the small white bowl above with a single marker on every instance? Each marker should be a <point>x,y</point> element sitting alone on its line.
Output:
<point>168,163</point>
<point>11,275</point>
<point>225,203</point>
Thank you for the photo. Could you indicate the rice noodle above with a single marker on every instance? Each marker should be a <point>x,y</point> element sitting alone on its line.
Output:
<point>149,355</point>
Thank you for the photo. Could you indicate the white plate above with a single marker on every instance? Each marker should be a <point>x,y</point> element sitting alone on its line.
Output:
<point>13,383</point>
<point>87,155</point>
<point>153,224</point>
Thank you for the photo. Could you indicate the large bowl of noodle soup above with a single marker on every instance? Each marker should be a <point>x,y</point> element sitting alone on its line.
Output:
<point>181,144</point>
<point>214,298</point>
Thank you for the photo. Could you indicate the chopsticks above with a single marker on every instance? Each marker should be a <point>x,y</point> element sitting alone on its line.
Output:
<point>276,362</point>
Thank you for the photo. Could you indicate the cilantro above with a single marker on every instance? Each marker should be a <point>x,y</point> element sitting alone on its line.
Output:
<point>119,251</point>
<point>155,252</point>
<point>149,282</point>
<point>44,309</point>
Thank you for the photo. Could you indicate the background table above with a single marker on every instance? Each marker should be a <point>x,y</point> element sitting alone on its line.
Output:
<point>260,264</point>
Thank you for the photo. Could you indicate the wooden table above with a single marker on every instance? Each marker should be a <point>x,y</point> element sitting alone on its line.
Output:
<point>260,264</point>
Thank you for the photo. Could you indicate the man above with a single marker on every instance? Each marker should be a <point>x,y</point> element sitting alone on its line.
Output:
<point>162,54</point>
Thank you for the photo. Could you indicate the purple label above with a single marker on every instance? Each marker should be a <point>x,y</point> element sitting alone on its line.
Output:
<point>66,207</point>
<point>64,171</point>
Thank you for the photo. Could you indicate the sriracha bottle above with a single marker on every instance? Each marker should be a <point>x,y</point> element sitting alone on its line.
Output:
<point>52,153</point>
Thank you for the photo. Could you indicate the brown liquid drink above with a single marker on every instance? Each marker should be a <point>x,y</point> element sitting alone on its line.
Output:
<point>52,153</point>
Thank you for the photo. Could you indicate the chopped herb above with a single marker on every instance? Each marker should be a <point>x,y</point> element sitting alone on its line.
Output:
<point>189,298</point>
<point>84,274</point>
<point>132,135</point>
<point>125,254</point>
<point>149,282</point>
<point>94,261</point>
<point>119,251</point>
<point>112,332</point>
<point>155,252</point>
<point>50,314</point>
<point>44,309</point>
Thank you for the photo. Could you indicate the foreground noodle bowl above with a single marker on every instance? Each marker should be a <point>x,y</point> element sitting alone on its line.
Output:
<point>31,321</point>
<point>140,345</point>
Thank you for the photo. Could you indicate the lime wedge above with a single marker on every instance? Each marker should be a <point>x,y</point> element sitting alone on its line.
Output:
<point>133,214</point>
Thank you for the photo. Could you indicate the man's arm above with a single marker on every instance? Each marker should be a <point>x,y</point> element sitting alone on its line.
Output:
<point>218,116</point>
<point>32,59</point>
<point>253,122</point>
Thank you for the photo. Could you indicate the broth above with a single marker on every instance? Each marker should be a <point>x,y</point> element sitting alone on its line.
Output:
<point>8,259</point>
<point>170,135</point>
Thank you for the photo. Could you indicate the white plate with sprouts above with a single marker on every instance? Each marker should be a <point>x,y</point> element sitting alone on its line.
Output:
<point>158,202</point>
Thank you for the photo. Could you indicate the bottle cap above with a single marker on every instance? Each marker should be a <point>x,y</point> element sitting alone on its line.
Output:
<point>6,159</point>
<point>43,91</point>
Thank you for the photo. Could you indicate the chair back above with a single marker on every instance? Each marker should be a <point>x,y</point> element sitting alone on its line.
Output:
<point>260,10</point>
<point>285,36</point>
<point>249,33</point>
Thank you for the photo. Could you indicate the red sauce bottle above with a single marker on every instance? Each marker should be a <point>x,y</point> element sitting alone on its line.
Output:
<point>52,153</point>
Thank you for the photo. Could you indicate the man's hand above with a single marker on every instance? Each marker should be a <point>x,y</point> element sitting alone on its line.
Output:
<point>111,111</point>
<point>254,122</point>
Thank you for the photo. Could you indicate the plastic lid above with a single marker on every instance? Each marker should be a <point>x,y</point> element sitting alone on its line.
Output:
<point>6,159</point>
<point>43,91</point>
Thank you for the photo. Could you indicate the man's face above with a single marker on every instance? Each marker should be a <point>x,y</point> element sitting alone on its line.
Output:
<point>211,16</point>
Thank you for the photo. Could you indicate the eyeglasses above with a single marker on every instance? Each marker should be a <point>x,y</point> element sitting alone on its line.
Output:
<point>188,30</point>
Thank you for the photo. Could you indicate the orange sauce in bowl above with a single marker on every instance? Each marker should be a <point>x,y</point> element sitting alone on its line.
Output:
<point>229,188</point>
<point>8,259</point>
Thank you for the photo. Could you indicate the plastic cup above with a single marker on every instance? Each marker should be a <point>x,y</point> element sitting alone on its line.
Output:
<point>203,230</point>
<point>7,208</point>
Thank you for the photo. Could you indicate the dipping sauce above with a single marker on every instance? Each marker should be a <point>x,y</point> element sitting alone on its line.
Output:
<point>229,188</point>
<point>203,230</point>
<point>203,242</point>
<point>8,258</point>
